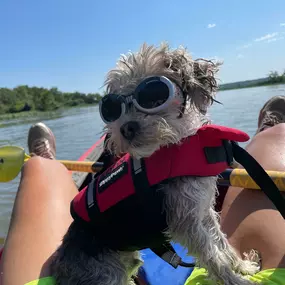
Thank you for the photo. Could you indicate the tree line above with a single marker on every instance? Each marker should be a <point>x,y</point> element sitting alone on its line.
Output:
<point>24,98</point>
<point>275,77</point>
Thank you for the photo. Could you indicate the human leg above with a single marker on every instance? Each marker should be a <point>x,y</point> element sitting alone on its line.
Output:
<point>40,217</point>
<point>249,218</point>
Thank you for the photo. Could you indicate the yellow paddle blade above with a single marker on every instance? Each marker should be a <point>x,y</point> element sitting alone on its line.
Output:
<point>11,161</point>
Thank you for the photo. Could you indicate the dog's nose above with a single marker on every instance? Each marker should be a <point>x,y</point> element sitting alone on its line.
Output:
<point>129,130</point>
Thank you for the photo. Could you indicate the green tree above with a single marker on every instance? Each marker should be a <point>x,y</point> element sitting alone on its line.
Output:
<point>274,77</point>
<point>47,101</point>
<point>25,98</point>
<point>7,100</point>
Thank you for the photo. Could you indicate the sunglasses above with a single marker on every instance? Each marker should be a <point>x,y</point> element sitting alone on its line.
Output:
<point>151,96</point>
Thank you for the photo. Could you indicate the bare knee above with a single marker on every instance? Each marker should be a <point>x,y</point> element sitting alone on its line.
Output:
<point>271,134</point>
<point>38,165</point>
<point>278,130</point>
<point>268,148</point>
<point>43,174</point>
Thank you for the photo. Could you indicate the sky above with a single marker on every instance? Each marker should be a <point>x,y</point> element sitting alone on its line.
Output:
<point>72,44</point>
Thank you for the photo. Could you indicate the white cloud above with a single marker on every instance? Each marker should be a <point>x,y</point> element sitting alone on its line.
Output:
<point>266,37</point>
<point>269,38</point>
<point>210,26</point>
<point>282,24</point>
<point>240,56</point>
<point>275,39</point>
<point>272,40</point>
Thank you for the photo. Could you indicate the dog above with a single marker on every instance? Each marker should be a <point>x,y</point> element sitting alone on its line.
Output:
<point>189,201</point>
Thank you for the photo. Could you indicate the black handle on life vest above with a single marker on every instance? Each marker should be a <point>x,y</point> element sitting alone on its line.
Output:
<point>261,178</point>
<point>168,254</point>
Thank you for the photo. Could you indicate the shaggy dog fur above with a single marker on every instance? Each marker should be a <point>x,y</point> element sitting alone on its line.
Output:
<point>189,201</point>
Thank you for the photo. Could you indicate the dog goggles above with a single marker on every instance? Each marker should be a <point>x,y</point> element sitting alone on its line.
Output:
<point>151,96</point>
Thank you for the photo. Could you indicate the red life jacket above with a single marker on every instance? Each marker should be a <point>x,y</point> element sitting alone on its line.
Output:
<point>122,205</point>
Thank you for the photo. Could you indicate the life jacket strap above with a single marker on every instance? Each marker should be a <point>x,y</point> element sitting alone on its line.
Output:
<point>164,250</point>
<point>223,153</point>
<point>140,179</point>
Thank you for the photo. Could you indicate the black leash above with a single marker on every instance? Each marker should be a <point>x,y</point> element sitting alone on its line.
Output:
<point>261,178</point>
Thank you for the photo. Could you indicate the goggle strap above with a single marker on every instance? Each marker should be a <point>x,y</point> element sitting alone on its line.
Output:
<point>128,99</point>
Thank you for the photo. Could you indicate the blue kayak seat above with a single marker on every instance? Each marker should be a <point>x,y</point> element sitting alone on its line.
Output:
<point>155,271</point>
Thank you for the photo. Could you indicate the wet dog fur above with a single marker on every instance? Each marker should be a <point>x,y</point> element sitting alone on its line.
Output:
<point>189,201</point>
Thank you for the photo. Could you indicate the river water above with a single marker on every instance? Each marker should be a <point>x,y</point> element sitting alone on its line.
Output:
<point>77,129</point>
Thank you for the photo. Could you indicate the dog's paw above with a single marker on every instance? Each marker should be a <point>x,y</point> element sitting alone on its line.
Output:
<point>245,267</point>
<point>248,267</point>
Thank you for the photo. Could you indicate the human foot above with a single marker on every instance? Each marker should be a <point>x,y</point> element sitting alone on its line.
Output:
<point>272,113</point>
<point>41,141</point>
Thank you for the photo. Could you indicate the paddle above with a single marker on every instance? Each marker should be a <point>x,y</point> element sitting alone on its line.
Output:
<point>240,178</point>
<point>12,158</point>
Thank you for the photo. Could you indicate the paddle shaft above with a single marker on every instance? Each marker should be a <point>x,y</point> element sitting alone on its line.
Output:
<point>9,155</point>
<point>240,178</point>
<point>82,166</point>
<point>230,177</point>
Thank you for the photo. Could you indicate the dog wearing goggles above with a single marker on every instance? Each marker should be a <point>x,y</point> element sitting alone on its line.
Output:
<point>155,98</point>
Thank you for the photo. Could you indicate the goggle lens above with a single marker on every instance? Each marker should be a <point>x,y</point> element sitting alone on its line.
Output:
<point>152,94</point>
<point>111,108</point>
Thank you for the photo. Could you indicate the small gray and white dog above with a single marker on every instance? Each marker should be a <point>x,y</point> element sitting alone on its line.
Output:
<point>189,201</point>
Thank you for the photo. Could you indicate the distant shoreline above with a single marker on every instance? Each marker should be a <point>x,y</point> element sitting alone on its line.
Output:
<point>28,101</point>
<point>41,114</point>
<point>251,86</point>
<point>24,102</point>
<point>267,81</point>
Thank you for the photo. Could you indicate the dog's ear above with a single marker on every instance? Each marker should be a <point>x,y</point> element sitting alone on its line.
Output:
<point>201,86</point>
<point>195,77</point>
